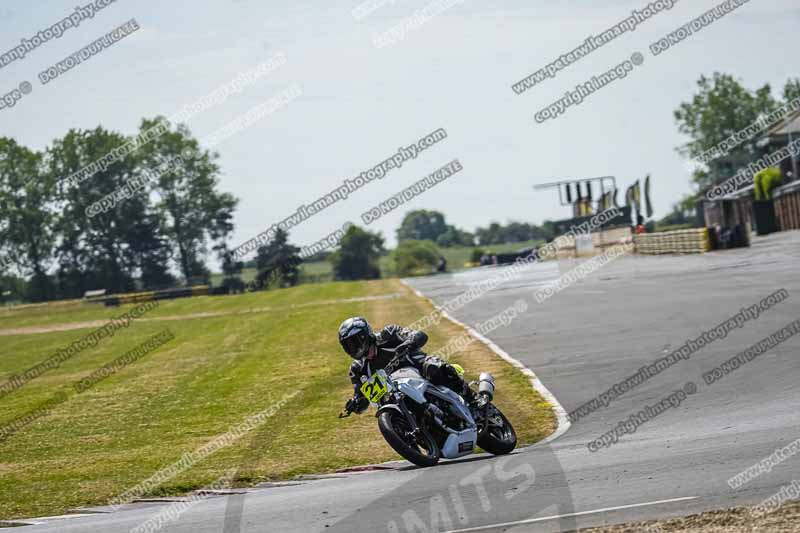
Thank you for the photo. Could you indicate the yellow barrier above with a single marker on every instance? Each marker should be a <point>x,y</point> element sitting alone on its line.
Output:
<point>685,241</point>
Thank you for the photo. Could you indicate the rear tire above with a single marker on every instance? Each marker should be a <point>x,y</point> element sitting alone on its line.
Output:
<point>394,427</point>
<point>498,439</point>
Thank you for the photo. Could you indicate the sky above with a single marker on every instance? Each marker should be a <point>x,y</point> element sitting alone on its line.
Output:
<point>359,102</point>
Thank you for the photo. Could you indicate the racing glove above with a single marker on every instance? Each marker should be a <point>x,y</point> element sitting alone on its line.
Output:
<point>356,404</point>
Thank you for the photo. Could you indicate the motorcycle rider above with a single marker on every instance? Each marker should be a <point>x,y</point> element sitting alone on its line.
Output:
<point>372,352</point>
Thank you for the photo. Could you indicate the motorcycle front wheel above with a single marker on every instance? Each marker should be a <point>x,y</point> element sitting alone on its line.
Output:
<point>419,448</point>
<point>499,437</point>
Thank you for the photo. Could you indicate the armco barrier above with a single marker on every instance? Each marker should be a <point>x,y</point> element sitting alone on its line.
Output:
<point>138,297</point>
<point>685,241</point>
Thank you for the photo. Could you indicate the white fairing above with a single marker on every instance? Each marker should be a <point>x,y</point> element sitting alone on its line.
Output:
<point>460,443</point>
<point>413,385</point>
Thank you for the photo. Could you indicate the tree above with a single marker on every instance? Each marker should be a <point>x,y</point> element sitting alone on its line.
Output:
<point>231,269</point>
<point>160,205</point>
<point>513,232</point>
<point>545,232</point>
<point>490,235</point>
<point>358,255</point>
<point>453,236</point>
<point>193,210</point>
<point>27,216</point>
<point>12,289</point>
<point>278,263</point>
<point>110,249</point>
<point>721,107</point>
<point>421,225</point>
<point>517,232</point>
<point>791,90</point>
<point>152,253</point>
<point>415,257</point>
<point>682,213</point>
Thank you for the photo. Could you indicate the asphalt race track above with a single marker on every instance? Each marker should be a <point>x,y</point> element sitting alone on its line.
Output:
<point>580,342</point>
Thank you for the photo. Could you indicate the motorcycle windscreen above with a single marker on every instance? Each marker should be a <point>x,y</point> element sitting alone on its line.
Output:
<point>406,373</point>
<point>411,383</point>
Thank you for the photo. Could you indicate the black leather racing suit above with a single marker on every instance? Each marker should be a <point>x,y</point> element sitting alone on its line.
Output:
<point>409,341</point>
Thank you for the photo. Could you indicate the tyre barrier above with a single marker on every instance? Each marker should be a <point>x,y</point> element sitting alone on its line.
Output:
<point>685,241</point>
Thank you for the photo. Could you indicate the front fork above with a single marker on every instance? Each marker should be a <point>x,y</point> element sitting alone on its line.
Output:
<point>400,406</point>
<point>482,418</point>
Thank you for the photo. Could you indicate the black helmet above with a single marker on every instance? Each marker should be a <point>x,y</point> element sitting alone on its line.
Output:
<point>355,336</point>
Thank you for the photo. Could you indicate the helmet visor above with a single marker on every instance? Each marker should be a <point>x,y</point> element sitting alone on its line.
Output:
<point>355,344</point>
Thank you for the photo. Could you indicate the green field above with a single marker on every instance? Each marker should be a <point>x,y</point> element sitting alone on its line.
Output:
<point>457,257</point>
<point>312,272</point>
<point>232,357</point>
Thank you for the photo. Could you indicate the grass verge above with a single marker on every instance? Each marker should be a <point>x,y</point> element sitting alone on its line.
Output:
<point>217,371</point>
<point>737,520</point>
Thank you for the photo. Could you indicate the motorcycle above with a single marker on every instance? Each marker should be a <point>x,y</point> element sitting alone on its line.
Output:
<point>424,422</point>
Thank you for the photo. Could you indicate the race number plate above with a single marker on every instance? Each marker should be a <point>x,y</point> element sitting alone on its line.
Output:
<point>374,388</point>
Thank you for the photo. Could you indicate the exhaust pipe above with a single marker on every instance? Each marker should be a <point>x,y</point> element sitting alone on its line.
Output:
<point>486,385</point>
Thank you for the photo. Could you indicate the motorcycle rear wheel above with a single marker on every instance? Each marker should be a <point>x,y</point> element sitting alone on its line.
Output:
<point>499,437</point>
<point>421,449</point>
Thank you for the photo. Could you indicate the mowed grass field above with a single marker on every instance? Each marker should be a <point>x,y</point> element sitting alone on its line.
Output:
<point>232,357</point>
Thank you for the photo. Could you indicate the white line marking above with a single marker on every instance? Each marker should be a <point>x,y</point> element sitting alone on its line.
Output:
<point>581,513</point>
<point>562,420</point>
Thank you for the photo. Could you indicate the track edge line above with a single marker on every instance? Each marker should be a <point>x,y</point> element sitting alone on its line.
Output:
<point>562,419</point>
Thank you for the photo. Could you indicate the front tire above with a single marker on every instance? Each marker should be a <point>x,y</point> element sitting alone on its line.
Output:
<point>421,449</point>
<point>499,437</point>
